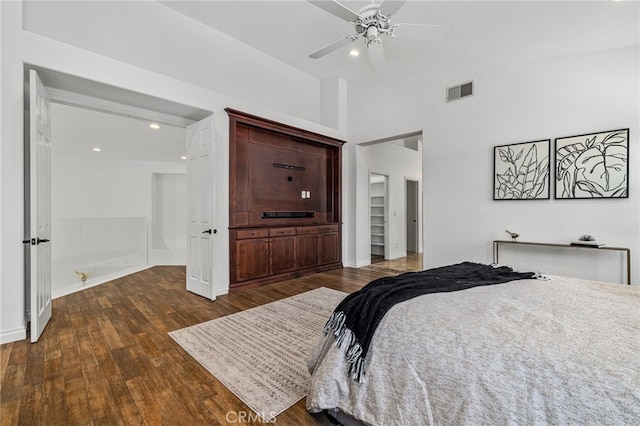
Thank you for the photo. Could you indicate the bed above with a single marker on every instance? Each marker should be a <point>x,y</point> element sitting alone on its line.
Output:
<point>531,351</point>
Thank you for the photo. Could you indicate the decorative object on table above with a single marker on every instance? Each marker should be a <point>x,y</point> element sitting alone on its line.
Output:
<point>521,171</point>
<point>514,235</point>
<point>594,165</point>
<point>586,240</point>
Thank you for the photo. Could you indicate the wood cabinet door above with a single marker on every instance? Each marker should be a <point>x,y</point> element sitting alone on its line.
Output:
<point>307,250</point>
<point>328,250</point>
<point>283,254</point>
<point>252,259</point>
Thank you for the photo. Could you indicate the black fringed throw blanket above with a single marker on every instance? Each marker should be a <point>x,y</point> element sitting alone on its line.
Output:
<point>356,318</point>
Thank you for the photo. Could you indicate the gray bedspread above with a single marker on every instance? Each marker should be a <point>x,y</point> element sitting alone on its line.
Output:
<point>564,351</point>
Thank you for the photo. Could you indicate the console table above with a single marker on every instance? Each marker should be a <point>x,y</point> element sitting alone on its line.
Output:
<point>497,243</point>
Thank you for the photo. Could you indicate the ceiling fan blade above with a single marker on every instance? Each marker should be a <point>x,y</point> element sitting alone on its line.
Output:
<point>333,46</point>
<point>337,9</point>
<point>376,56</point>
<point>420,31</point>
<point>389,7</point>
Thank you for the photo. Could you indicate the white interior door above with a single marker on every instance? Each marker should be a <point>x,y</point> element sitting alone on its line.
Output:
<point>39,256</point>
<point>411,196</point>
<point>200,207</point>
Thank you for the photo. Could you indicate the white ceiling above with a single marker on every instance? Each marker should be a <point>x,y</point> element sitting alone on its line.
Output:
<point>76,131</point>
<point>480,32</point>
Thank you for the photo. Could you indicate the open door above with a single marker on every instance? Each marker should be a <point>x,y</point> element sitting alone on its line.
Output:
<point>200,208</point>
<point>412,200</point>
<point>38,234</point>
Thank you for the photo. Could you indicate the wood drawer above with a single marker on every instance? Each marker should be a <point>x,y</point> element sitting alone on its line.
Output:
<point>307,230</point>
<point>327,228</point>
<point>243,234</point>
<point>281,232</point>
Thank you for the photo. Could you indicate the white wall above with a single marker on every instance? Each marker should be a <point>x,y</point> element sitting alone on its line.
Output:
<point>515,102</point>
<point>155,37</point>
<point>87,188</point>
<point>94,187</point>
<point>197,78</point>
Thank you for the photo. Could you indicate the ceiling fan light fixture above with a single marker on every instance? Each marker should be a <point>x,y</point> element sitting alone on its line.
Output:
<point>372,35</point>
<point>371,23</point>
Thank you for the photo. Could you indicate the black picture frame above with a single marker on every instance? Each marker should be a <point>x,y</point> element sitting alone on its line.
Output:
<point>521,171</point>
<point>592,165</point>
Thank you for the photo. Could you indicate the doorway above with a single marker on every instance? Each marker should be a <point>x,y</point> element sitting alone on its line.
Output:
<point>115,190</point>
<point>378,202</point>
<point>167,243</point>
<point>394,161</point>
<point>54,86</point>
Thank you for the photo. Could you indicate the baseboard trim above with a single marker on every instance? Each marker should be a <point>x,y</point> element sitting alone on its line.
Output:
<point>13,335</point>
<point>221,291</point>
<point>74,288</point>
<point>357,264</point>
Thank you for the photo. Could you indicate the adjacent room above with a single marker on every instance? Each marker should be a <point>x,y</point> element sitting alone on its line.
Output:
<point>319,212</point>
<point>118,192</point>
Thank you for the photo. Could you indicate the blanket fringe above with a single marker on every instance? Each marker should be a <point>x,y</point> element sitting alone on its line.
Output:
<point>346,341</point>
<point>541,276</point>
<point>536,275</point>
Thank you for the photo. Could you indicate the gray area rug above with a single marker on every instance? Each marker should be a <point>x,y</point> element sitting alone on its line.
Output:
<point>260,354</point>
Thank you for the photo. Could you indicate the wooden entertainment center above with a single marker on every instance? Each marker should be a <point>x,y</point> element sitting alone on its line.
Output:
<point>285,217</point>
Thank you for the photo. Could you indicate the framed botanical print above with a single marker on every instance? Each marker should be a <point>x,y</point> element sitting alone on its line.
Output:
<point>521,171</point>
<point>593,165</point>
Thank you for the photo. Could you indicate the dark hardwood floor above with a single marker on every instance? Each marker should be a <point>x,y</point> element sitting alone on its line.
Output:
<point>106,358</point>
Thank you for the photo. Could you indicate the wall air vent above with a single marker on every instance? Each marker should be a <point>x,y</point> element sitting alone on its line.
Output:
<point>460,91</point>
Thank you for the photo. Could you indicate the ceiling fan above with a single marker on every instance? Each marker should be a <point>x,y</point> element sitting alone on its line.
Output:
<point>371,23</point>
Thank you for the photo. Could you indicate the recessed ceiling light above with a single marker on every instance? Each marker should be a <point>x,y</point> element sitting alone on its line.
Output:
<point>154,126</point>
<point>183,158</point>
<point>96,149</point>
<point>354,52</point>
